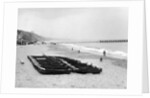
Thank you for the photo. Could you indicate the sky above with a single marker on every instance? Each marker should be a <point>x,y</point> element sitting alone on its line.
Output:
<point>76,23</point>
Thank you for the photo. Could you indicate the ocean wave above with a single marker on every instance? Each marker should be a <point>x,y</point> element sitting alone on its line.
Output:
<point>96,51</point>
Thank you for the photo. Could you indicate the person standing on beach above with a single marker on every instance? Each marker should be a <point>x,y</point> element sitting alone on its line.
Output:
<point>104,53</point>
<point>101,59</point>
<point>78,51</point>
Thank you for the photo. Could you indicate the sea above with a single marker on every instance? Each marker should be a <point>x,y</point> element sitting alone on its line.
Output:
<point>115,49</point>
<point>122,47</point>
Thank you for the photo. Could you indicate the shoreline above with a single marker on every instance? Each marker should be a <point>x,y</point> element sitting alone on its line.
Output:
<point>114,54</point>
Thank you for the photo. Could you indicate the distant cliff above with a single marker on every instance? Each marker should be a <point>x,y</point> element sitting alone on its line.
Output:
<point>25,37</point>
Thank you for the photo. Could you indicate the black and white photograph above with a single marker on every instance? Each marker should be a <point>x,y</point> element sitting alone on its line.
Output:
<point>72,48</point>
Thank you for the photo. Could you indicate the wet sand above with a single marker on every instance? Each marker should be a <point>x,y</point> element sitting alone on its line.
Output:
<point>113,76</point>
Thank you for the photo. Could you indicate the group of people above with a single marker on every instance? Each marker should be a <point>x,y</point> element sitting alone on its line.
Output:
<point>101,58</point>
<point>104,54</point>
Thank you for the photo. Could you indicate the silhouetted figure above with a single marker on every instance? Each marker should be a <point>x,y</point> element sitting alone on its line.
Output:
<point>101,59</point>
<point>104,53</point>
<point>78,51</point>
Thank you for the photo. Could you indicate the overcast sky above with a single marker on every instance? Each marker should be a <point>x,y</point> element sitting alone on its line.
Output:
<point>76,23</point>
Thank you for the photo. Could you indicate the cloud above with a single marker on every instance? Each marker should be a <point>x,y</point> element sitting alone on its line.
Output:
<point>76,23</point>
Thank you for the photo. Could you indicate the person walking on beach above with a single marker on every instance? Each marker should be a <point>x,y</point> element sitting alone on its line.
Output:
<point>101,59</point>
<point>78,51</point>
<point>104,53</point>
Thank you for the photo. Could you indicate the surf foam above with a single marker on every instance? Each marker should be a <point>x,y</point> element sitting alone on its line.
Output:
<point>96,51</point>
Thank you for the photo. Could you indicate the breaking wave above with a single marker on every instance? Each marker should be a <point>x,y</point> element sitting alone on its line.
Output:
<point>96,51</point>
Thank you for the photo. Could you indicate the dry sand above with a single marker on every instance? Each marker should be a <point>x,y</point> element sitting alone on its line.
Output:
<point>114,74</point>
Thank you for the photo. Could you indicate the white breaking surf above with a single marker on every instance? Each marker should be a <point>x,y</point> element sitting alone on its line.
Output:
<point>114,54</point>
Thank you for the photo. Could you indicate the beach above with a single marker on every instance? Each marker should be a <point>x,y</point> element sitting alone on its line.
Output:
<point>113,76</point>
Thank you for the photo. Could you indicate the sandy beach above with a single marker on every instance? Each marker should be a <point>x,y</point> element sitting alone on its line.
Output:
<point>113,76</point>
